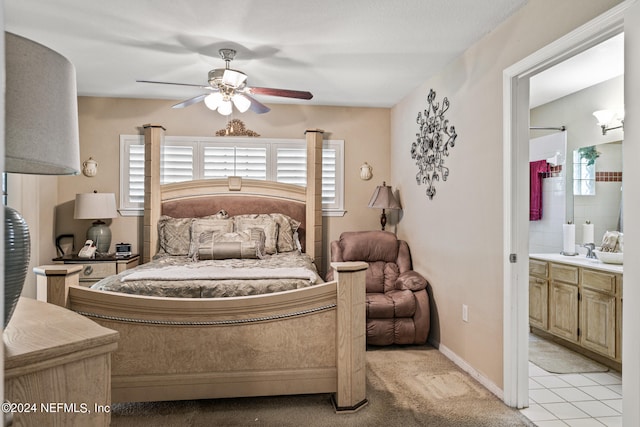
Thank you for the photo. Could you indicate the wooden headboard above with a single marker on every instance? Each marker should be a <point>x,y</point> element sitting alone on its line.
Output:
<point>236,196</point>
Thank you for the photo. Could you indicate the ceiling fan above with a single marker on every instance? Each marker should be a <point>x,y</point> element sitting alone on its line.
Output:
<point>228,87</point>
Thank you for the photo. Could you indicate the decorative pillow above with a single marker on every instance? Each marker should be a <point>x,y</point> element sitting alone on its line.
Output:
<point>201,225</point>
<point>287,228</point>
<point>266,223</point>
<point>216,245</point>
<point>174,234</point>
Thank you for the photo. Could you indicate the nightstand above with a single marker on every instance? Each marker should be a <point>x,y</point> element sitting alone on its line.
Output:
<point>57,367</point>
<point>94,269</point>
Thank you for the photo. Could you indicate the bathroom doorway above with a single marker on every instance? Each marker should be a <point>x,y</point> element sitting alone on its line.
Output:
<point>576,179</point>
<point>516,195</point>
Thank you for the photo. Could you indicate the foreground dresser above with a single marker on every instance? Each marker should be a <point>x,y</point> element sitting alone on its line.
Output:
<point>578,302</point>
<point>57,367</point>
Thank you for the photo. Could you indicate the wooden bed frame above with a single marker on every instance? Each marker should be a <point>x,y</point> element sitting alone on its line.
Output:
<point>304,341</point>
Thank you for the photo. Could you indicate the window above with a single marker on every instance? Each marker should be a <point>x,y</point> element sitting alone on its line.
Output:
<point>584,173</point>
<point>188,158</point>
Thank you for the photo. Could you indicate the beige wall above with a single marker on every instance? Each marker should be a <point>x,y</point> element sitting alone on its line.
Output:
<point>102,120</point>
<point>456,238</point>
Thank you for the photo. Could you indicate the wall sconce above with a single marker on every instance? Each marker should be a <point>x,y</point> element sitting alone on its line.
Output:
<point>383,198</point>
<point>366,172</point>
<point>607,118</point>
<point>90,167</point>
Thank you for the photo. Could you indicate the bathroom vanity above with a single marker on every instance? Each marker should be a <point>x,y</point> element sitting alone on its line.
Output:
<point>578,302</point>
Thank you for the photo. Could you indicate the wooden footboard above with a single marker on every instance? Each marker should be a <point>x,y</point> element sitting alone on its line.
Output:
<point>309,340</point>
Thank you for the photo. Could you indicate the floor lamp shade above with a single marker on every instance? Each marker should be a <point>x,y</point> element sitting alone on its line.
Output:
<point>97,206</point>
<point>41,137</point>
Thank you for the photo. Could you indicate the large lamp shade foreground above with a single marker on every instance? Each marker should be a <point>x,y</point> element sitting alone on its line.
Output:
<point>41,137</point>
<point>41,110</point>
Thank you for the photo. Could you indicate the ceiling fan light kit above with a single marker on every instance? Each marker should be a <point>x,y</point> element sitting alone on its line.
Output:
<point>229,88</point>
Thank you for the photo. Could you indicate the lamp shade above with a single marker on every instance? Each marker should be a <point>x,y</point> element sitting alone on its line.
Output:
<point>95,206</point>
<point>41,137</point>
<point>604,117</point>
<point>383,198</point>
<point>41,110</point>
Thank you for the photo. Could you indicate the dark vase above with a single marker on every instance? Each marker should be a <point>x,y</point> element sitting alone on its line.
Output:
<point>17,249</point>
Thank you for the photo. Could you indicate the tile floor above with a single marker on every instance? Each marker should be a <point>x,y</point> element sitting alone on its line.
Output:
<point>577,400</point>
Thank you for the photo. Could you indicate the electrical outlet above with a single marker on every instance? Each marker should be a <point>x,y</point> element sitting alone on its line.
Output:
<point>465,313</point>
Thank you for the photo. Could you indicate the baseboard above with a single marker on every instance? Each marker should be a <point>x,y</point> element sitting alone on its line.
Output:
<point>462,364</point>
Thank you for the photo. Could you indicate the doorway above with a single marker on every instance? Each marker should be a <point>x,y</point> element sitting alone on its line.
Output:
<point>516,190</point>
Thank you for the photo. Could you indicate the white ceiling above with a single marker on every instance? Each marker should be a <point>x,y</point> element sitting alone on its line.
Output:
<point>346,52</point>
<point>596,65</point>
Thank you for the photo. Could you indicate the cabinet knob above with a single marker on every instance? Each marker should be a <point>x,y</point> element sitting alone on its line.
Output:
<point>88,270</point>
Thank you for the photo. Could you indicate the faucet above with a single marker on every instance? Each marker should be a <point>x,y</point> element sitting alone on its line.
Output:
<point>590,247</point>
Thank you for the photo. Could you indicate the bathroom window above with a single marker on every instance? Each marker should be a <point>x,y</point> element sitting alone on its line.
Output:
<point>584,173</point>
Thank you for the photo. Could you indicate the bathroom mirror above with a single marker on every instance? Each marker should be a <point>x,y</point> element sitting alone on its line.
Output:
<point>603,208</point>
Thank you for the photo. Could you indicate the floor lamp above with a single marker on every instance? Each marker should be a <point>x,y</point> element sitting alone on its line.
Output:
<point>41,138</point>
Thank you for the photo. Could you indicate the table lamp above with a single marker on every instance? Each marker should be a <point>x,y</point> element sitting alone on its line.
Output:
<point>383,198</point>
<point>97,206</point>
<point>41,137</point>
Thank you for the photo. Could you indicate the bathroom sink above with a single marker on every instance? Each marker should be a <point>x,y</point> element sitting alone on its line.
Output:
<point>609,257</point>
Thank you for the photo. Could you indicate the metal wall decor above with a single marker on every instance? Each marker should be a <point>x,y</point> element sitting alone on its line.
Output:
<point>236,127</point>
<point>432,144</point>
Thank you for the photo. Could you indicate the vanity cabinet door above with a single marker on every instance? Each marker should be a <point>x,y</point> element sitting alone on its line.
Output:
<point>598,322</point>
<point>563,310</point>
<point>538,302</point>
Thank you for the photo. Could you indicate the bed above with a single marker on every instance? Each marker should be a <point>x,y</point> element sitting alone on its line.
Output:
<point>302,339</point>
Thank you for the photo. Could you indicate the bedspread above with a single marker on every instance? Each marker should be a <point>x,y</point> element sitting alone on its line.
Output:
<point>194,285</point>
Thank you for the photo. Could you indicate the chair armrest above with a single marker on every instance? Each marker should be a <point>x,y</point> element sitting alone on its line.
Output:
<point>411,280</point>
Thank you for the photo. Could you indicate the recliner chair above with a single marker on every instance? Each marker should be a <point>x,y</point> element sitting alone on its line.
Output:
<point>397,300</point>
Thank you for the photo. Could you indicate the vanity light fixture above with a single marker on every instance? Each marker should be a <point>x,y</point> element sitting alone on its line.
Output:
<point>608,118</point>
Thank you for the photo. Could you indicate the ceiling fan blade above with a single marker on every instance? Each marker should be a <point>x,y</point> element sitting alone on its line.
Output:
<point>286,93</point>
<point>191,101</point>
<point>176,84</point>
<point>256,106</point>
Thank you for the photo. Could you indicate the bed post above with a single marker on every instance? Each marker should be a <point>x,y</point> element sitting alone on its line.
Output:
<point>351,393</point>
<point>314,196</point>
<point>153,136</point>
<point>53,281</point>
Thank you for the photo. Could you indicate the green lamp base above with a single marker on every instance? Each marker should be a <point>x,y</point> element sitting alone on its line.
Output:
<point>100,233</point>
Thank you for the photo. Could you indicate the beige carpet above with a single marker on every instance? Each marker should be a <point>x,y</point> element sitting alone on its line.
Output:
<point>406,386</point>
<point>560,360</point>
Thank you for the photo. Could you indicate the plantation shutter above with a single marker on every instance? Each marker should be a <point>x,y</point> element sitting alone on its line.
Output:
<point>329,177</point>
<point>176,163</point>
<point>223,161</point>
<point>291,165</point>
<point>187,158</point>
<point>136,174</point>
